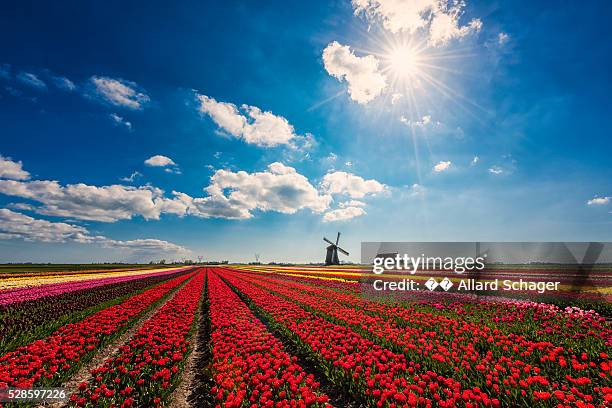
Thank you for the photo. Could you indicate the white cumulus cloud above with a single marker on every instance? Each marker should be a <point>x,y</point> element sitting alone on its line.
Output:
<point>343,214</point>
<point>250,123</point>
<point>364,77</point>
<point>442,166</point>
<point>86,202</point>
<point>21,226</point>
<point>236,194</point>
<point>13,170</point>
<point>437,19</point>
<point>229,194</point>
<point>15,225</point>
<point>159,161</point>
<point>118,92</point>
<point>599,201</point>
<point>341,182</point>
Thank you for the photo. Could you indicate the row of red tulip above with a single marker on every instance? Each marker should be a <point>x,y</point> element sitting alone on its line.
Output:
<point>446,327</point>
<point>144,371</point>
<point>371,374</point>
<point>50,360</point>
<point>23,322</point>
<point>250,366</point>
<point>508,365</point>
<point>568,327</point>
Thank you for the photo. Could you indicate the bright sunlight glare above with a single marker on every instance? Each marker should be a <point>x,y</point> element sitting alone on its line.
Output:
<point>403,61</point>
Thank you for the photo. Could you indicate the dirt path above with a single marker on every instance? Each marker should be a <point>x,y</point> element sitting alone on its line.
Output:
<point>191,384</point>
<point>84,373</point>
<point>180,395</point>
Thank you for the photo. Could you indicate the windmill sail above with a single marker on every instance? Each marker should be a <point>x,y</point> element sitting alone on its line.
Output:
<point>331,257</point>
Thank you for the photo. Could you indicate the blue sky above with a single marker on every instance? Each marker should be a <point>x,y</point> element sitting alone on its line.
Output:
<point>141,131</point>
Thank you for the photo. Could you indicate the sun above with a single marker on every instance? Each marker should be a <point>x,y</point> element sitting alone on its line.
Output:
<point>403,61</point>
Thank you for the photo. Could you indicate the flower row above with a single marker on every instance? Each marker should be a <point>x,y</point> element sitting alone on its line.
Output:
<point>24,322</point>
<point>511,367</point>
<point>35,290</point>
<point>145,370</point>
<point>48,361</point>
<point>371,374</point>
<point>250,366</point>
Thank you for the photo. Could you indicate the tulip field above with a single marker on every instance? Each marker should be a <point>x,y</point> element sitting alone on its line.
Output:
<point>253,336</point>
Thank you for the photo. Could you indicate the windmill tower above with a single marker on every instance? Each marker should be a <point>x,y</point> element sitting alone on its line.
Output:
<point>332,252</point>
<point>257,256</point>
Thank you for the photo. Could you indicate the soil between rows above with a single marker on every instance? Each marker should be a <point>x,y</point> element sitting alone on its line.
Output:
<point>195,382</point>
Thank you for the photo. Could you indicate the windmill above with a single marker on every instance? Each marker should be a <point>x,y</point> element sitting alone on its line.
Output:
<point>332,252</point>
<point>257,258</point>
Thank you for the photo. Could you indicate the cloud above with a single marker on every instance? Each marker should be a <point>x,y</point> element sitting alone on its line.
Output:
<point>445,27</point>
<point>503,38</point>
<point>351,203</point>
<point>395,97</point>
<point>340,182</point>
<point>173,170</point>
<point>343,214</point>
<point>236,194</point>
<point>442,166</point>
<point>229,194</point>
<point>250,123</point>
<point>599,201</point>
<point>496,170</point>
<point>21,226</point>
<point>13,170</point>
<point>232,195</point>
<point>159,161</point>
<point>117,92</point>
<point>63,83</point>
<point>14,225</point>
<point>132,177</point>
<point>437,19</point>
<point>85,202</point>
<point>422,123</point>
<point>21,206</point>
<point>365,80</point>
<point>163,161</point>
<point>146,246</point>
<point>31,80</point>
<point>120,121</point>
